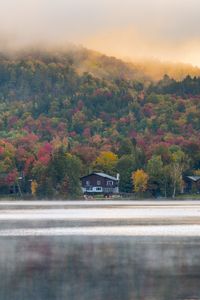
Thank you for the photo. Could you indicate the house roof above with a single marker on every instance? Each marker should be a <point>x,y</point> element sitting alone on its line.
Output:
<point>194,178</point>
<point>102,175</point>
<point>106,176</point>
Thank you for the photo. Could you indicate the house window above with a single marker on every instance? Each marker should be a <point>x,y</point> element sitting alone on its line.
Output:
<point>88,189</point>
<point>98,189</point>
<point>87,182</point>
<point>98,182</point>
<point>110,183</point>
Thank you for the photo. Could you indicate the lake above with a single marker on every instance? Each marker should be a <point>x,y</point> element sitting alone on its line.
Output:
<point>99,250</point>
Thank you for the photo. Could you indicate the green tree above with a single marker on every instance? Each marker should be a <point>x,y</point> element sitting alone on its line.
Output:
<point>126,147</point>
<point>125,166</point>
<point>156,172</point>
<point>61,176</point>
<point>177,166</point>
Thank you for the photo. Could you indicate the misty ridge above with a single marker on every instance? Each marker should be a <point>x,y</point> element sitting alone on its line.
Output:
<point>97,64</point>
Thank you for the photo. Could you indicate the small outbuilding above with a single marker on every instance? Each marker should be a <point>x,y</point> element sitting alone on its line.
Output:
<point>192,184</point>
<point>100,183</point>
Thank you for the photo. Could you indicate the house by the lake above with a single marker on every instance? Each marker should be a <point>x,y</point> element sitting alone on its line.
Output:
<point>100,183</point>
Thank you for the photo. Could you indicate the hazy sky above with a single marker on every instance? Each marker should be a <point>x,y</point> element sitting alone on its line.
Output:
<point>164,29</point>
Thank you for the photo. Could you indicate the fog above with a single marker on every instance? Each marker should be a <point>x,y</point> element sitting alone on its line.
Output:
<point>162,29</point>
<point>58,268</point>
<point>99,250</point>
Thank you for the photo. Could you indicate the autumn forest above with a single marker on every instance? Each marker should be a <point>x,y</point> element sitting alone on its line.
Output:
<point>65,114</point>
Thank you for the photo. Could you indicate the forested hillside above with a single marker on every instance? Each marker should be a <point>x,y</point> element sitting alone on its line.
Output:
<point>62,116</point>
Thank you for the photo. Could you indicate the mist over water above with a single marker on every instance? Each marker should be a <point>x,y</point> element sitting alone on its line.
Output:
<point>59,268</point>
<point>99,250</point>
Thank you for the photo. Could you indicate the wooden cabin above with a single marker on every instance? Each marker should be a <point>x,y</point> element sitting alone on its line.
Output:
<point>100,183</point>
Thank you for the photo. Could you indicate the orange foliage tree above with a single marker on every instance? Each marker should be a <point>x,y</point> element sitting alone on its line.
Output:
<point>140,181</point>
<point>34,187</point>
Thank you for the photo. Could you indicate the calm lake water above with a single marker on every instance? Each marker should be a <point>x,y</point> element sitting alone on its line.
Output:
<point>77,268</point>
<point>104,266</point>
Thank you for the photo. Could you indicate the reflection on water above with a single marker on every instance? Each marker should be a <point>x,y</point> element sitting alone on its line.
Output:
<point>99,268</point>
